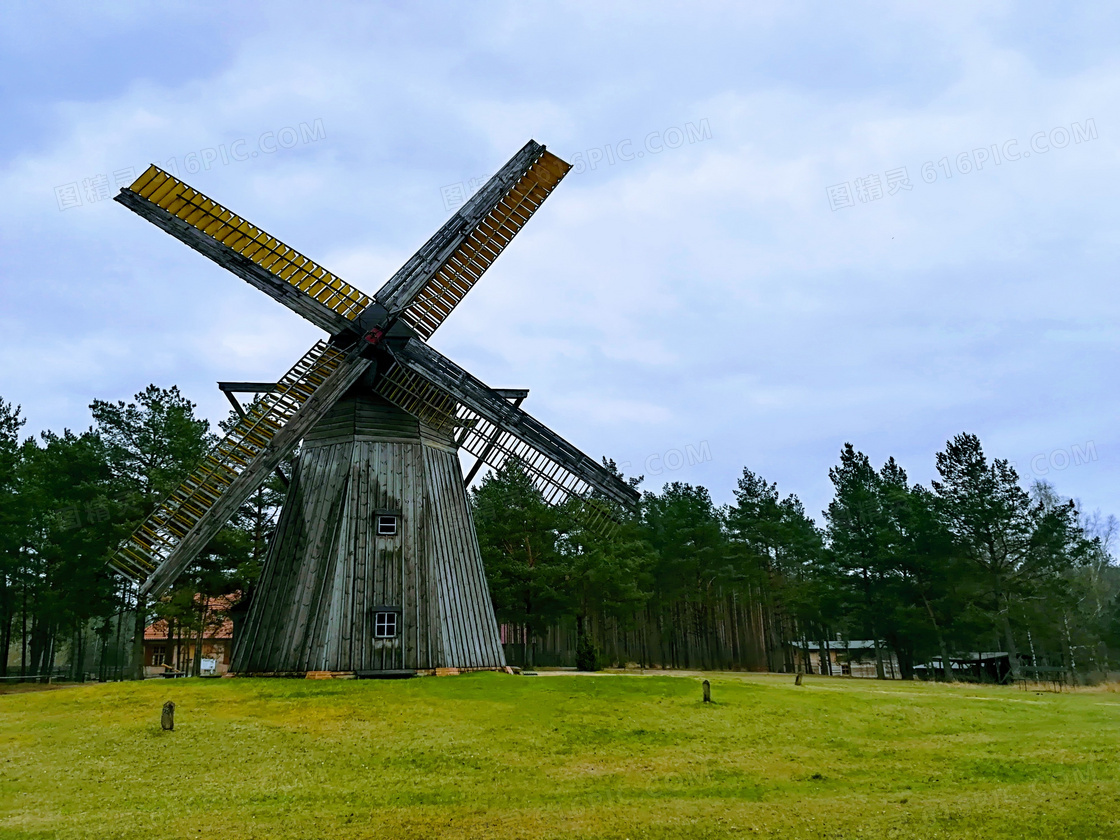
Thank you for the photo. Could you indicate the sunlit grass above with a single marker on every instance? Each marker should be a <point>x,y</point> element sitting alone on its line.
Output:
<point>490,755</point>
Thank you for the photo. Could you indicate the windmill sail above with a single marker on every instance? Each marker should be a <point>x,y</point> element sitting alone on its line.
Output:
<point>253,255</point>
<point>439,275</point>
<point>165,544</point>
<point>446,397</point>
<point>421,295</point>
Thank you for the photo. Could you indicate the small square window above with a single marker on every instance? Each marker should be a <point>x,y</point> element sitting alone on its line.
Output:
<point>386,525</point>
<point>385,625</point>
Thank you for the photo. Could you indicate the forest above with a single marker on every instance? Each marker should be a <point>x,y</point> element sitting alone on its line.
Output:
<point>973,562</point>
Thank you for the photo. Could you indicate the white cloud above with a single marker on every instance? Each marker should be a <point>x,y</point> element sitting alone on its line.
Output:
<point>705,292</point>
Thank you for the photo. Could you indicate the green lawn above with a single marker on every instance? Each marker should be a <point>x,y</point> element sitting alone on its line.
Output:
<point>491,755</point>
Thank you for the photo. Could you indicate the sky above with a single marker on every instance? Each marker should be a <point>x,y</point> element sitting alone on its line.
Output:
<point>788,225</point>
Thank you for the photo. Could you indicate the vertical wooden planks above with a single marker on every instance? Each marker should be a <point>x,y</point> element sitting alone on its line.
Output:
<point>413,650</point>
<point>363,559</point>
<point>328,568</point>
<point>313,613</point>
<point>477,643</point>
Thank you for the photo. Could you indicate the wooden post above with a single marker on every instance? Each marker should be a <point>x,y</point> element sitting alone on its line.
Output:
<point>797,680</point>
<point>707,691</point>
<point>167,719</point>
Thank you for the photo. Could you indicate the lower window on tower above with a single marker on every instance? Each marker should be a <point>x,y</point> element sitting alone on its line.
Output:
<point>385,625</point>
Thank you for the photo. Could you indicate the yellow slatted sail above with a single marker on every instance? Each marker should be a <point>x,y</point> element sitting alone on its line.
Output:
<point>158,535</point>
<point>465,266</point>
<point>225,226</point>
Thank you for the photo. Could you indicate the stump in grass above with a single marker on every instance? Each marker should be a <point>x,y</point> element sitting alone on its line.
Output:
<point>707,691</point>
<point>797,680</point>
<point>167,719</point>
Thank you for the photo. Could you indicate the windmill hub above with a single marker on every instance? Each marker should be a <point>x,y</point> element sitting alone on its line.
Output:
<point>375,567</point>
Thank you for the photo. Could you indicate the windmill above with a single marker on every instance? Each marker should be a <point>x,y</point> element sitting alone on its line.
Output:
<point>375,566</point>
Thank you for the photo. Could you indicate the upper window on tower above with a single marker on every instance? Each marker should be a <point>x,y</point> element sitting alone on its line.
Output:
<point>386,525</point>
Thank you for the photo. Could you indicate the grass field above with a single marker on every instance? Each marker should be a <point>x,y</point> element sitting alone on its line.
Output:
<point>619,756</point>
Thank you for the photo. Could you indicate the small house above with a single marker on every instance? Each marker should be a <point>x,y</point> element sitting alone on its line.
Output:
<point>851,658</point>
<point>171,650</point>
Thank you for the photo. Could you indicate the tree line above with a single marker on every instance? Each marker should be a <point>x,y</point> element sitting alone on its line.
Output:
<point>973,562</point>
<point>68,499</point>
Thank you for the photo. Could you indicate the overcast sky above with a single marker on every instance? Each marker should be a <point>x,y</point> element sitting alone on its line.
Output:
<point>752,281</point>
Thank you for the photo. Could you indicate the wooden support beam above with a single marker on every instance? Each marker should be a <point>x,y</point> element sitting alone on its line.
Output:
<point>246,387</point>
<point>418,357</point>
<point>236,405</point>
<point>516,396</point>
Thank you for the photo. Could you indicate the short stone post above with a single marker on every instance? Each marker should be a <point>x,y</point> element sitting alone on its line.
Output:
<point>707,691</point>
<point>167,719</point>
<point>797,680</point>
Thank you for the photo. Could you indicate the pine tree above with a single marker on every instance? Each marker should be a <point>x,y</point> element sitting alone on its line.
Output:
<point>517,535</point>
<point>1019,546</point>
<point>856,521</point>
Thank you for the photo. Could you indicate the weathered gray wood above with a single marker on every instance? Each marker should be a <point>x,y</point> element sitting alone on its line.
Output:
<point>246,387</point>
<point>356,601</point>
<point>278,644</point>
<point>321,566</point>
<point>471,632</point>
<point>315,611</point>
<point>336,634</point>
<point>463,594</point>
<point>327,568</point>
<point>208,525</point>
<point>273,577</point>
<point>422,266</point>
<point>285,631</point>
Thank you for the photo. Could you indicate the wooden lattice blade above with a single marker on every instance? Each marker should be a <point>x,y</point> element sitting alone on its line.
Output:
<point>168,541</point>
<point>446,397</point>
<point>253,255</point>
<point>425,290</point>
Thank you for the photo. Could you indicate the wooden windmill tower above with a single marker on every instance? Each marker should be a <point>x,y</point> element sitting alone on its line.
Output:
<point>375,566</point>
